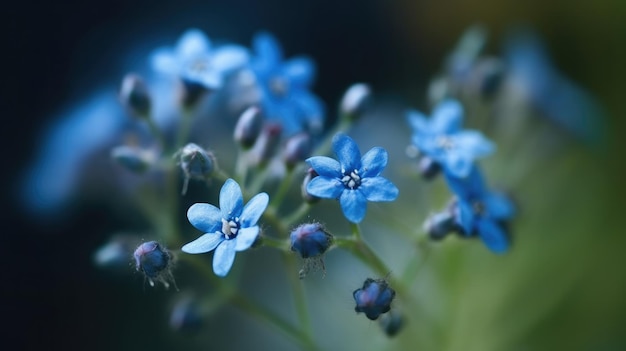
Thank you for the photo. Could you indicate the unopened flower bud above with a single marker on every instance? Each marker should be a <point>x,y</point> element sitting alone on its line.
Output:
<point>355,100</point>
<point>135,96</point>
<point>267,144</point>
<point>487,77</point>
<point>391,323</point>
<point>191,93</point>
<point>311,240</point>
<point>374,298</point>
<point>310,174</point>
<point>428,167</point>
<point>248,127</point>
<point>196,163</point>
<point>297,149</point>
<point>154,261</point>
<point>440,224</point>
<point>116,252</point>
<point>133,158</point>
<point>186,315</point>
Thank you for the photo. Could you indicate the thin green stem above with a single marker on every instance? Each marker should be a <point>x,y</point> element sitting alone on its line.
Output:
<point>280,244</point>
<point>297,214</point>
<point>283,188</point>
<point>241,167</point>
<point>299,297</point>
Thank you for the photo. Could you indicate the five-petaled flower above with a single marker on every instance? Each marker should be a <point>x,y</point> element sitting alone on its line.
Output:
<point>353,180</point>
<point>481,211</point>
<point>228,229</point>
<point>284,86</point>
<point>442,138</point>
<point>196,62</point>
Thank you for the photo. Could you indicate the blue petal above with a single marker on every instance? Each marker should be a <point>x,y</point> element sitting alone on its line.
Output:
<point>300,72</point>
<point>354,205</point>
<point>205,243</point>
<point>231,199</point>
<point>473,143</point>
<point>205,217</point>
<point>469,188</point>
<point>493,236</point>
<point>229,57</point>
<point>245,238</point>
<point>192,43</point>
<point>312,110</point>
<point>224,257</point>
<point>326,188</point>
<point>347,152</point>
<point>268,50</point>
<point>163,60</point>
<point>465,217</point>
<point>325,166</point>
<point>253,210</point>
<point>378,189</point>
<point>417,121</point>
<point>447,117</point>
<point>499,206</point>
<point>373,162</point>
<point>458,164</point>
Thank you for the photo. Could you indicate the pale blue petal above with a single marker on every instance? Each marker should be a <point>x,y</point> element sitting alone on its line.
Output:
<point>465,217</point>
<point>254,209</point>
<point>373,162</point>
<point>347,152</point>
<point>469,188</point>
<point>205,217</point>
<point>354,205</point>
<point>326,188</point>
<point>205,243</point>
<point>224,257</point>
<point>447,118</point>
<point>417,121</point>
<point>325,166</point>
<point>458,164</point>
<point>493,236</point>
<point>499,206</point>
<point>268,50</point>
<point>229,57</point>
<point>312,110</point>
<point>472,143</point>
<point>163,60</point>
<point>192,43</point>
<point>245,238</point>
<point>231,199</point>
<point>300,71</point>
<point>378,189</point>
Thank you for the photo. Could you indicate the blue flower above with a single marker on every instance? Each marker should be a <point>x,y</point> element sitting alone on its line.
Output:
<point>195,61</point>
<point>353,180</point>
<point>480,210</point>
<point>442,138</point>
<point>284,87</point>
<point>374,298</point>
<point>228,229</point>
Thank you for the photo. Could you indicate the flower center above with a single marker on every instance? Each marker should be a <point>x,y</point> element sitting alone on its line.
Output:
<point>351,180</point>
<point>199,66</point>
<point>230,228</point>
<point>279,86</point>
<point>479,208</point>
<point>445,143</point>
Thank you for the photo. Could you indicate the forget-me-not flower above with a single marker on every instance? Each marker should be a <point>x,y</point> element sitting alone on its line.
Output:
<point>228,229</point>
<point>480,210</point>
<point>285,87</point>
<point>442,138</point>
<point>195,61</point>
<point>353,180</point>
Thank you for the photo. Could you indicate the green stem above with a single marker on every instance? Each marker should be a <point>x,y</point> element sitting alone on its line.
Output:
<point>279,244</point>
<point>300,300</point>
<point>297,214</point>
<point>283,188</point>
<point>241,168</point>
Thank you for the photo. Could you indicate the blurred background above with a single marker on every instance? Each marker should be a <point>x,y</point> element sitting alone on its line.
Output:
<point>563,286</point>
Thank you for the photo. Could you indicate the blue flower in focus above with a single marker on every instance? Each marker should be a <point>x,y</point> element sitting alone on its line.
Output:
<point>374,298</point>
<point>353,180</point>
<point>228,229</point>
<point>285,87</point>
<point>481,211</point>
<point>442,138</point>
<point>194,60</point>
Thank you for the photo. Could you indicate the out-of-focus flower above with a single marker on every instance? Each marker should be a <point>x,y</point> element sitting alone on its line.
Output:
<point>186,315</point>
<point>228,229</point>
<point>297,148</point>
<point>285,87</point>
<point>374,298</point>
<point>355,100</point>
<point>115,253</point>
<point>195,61</point>
<point>134,96</point>
<point>154,260</point>
<point>133,158</point>
<point>555,96</point>
<point>353,180</point>
<point>481,211</point>
<point>442,139</point>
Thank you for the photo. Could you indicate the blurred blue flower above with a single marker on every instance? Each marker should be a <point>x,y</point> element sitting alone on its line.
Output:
<point>284,85</point>
<point>481,211</point>
<point>442,139</point>
<point>228,229</point>
<point>194,60</point>
<point>547,90</point>
<point>353,180</point>
<point>374,298</point>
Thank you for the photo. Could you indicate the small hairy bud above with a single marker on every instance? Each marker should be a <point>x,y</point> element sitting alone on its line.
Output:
<point>374,298</point>
<point>154,261</point>
<point>248,127</point>
<point>354,100</point>
<point>135,96</point>
<point>196,163</point>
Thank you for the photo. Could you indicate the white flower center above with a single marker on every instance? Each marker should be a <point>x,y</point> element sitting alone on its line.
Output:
<point>230,228</point>
<point>445,143</point>
<point>352,180</point>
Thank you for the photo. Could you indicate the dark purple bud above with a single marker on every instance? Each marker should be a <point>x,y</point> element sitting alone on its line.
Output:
<point>428,168</point>
<point>310,240</point>
<point>191,93</point>
<point>355,100</point>
<point>374,298</point>
<point>440,224</point>
<point>133,158</point>
<point>391,323</point>
<point>310,174</point>
<point>267,143</point>
<point>135,96</point>
<point>186,316</point>
<point>154,261</point>
<point>248,127</point>
<point>297,149</point>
